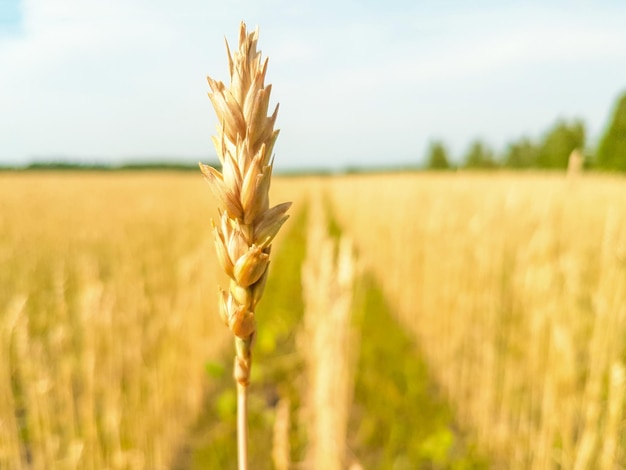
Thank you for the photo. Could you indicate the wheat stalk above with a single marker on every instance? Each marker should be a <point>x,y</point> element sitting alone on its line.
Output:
<point>328,276</point>
<point>280,441</point>
<point>244,142</point>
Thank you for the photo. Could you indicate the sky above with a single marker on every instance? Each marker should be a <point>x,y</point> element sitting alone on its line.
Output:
<point>360,83</point>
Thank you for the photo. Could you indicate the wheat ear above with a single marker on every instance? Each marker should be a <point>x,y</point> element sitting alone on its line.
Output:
<point>244,142</point>
<point>328,277</point>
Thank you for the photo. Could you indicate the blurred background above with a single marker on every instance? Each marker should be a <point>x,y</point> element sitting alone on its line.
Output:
<point>361,84</point>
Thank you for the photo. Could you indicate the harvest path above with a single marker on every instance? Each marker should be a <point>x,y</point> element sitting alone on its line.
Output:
<point>396,420</point>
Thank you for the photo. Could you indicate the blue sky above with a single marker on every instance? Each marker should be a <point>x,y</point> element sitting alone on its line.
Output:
<point>359,83</point>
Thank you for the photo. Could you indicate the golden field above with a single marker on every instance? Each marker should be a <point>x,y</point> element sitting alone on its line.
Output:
<point>105,318</point>
<point>515,287</point>
<point>108,313</point>
<point>512,285</point>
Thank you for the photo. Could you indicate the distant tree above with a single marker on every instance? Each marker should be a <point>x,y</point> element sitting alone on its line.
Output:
<point>437,157</point>
<point>479,156</point>
<point>612,150</point>
<point>558,143</point>
<point>521,154</point>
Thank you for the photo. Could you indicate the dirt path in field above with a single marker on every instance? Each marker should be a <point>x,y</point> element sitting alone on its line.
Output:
<point>397,420</point>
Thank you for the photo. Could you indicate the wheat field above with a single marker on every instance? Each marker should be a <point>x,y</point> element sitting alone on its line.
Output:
<point>108,316</point>
<point>105,318</point>
<point>513,287</point>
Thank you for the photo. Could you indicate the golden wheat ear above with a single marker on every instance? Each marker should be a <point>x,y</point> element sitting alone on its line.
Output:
<point>244,143</point>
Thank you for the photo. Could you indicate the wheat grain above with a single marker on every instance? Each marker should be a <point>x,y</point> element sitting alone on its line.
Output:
<point>244,142</point>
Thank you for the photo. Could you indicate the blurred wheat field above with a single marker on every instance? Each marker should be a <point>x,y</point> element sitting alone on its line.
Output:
<point>513,285</point>
<point>107,317</point>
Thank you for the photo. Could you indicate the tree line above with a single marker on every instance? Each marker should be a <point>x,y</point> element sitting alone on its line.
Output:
<point>86,166</point>
<point>551,151</point>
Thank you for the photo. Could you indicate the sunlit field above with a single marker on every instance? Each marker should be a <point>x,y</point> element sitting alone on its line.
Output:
<point>486,323</point>
<point>106,317</point>
<point>514,286</point>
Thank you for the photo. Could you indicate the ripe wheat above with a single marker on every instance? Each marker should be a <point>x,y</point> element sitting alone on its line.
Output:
<point>244,142</point>
<point>102,348</point>
<point>328,342</point>
<point>514,286</point>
